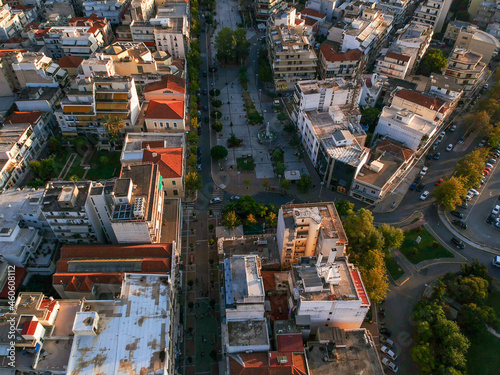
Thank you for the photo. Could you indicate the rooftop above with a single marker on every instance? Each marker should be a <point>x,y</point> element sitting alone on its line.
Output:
<point>315,86</point>
<point>170,160</point>
<point>165,109</point>
<point>445,82</point>
<point>357,357</point>
<point>415,122</point>
<point>421,99</point>
<point>248,333</point>
<point>168,84</point>
<point>135,142</point>
<point>133,331</point>
<point>263,245</point>
<point>390,165</point>
<point>24,117</point>
<point>65,196</point>
<point>242,280</point>
<point>14,203</point>
<point>332,55</point>
<point>397,56</point>
<point>351,154</point>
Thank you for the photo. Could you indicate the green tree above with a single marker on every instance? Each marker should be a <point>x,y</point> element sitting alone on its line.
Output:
<point>225,43</point>
<point>192,138</point>
<point>251,220</point>
<point>470,167</point>
<point>369,117</point>
<point>241,45</point>
<point>344,208</point>
<point>374,273</point>
<point>114,127</point>
<point>304,184</point>
<point>44,169</point>
<point>434,61</point>
<point>271,219</point>
<point>230,220</point>
<point>285,184</point>
<point>193,181</point>
<point>363,236</point>
<point>280,169</point>
<point>193,161</point>
<point>218,152</point>
<point>451,192</point>
<point>55,145</point>
<point>217,126</point>
<point>246,205</point>
<point>422,355</point>
<point>477,121</point>
<point>79,143</point>
<point>393,237</point>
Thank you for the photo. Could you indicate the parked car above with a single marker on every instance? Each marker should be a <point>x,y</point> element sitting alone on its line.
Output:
<point>385,331</point>
<point>469,196</point>
<point>235,197</point>
<point>419,178</point>
<point>389,364</point>
<point>460,224</point>
<point>437,155</point>
<point>495,210</point>
<point>459,244</point>
<point>424,195</point>
<point>464,205</point>
<point>461,140</point>
<point>424,171</point>
<point>199,130</point>
<point>420,187</point>
<point>457,214</point>
<point>430,156</point>
<point>492,161</point>
<point>453,128</point>
<point>450,147</point>
<point>474,191</point>
<point>384,349</point>
<point>388,342</point>
<point>438,182</point>
<point>482,143</point>
<point>491,219</point>
<point>413,186</point>
<point>198,152</point>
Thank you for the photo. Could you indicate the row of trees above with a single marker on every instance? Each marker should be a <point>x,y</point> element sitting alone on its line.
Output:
<point>442,343</point>
<point>368,247</point>
<point>232,46</point>
<point>246,210</point>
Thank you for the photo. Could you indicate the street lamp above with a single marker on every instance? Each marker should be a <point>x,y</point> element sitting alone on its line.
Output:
<point>321,189</point>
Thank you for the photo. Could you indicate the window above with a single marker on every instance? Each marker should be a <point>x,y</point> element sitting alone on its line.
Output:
<point>161,124</point>
<point>175,124</point>
<point>173,183</point>
<point>167,125</point>
<point>175,192</point>
<point>155,124</point>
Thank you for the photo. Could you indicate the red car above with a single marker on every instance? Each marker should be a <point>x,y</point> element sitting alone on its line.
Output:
<point>486,172</point>
<point>439,182</point>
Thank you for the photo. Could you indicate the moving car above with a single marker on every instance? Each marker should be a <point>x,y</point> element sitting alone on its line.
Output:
<point>457,214</point>
<point>460,224</point>
<point>453,128</point>
<point>215,200</point>
<point>424,195</point>
<point>458,243</point>
<point>384,349</point>
<point>437,155</point>
<point>450,147</point>
<point>439,182</point>
<point>389,364</point>
<point>496,261</point>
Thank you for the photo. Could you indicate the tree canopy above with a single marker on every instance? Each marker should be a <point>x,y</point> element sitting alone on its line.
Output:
<point>193,181</point>
<point>450,193</point>
<point>44,169</point>
<point>114,127</point>
<point>434,61</point>
<point>232,45</point>
<point>218,152</point>
<point>304,184</point>
<point>230,220</point>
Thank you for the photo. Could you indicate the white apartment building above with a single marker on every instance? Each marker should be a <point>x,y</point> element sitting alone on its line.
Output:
<point>308,230</point>
<point>34,69</point>
<point>113,10</point>
<point>126,328</point>
<point>20,238</point>
<point>334,64</point>
<point>142,10</point>
<point>445,88</point>
<point>22,139</point>
<point>393,64</point>
<point>171,27</point>
<point>100,206</point>
<point>138,204</point>
<point>66,209</point>
<point>467,68</point>
<point>396,8</point>
<point>72,41</point>
<point>328,293</point>
<point>433,13</point>
<point>10,24</point>
<point>371,90</point>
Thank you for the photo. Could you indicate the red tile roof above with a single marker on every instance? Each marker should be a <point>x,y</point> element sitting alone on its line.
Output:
<point>420,99</point>
<point>152,144</point>
<point>312,13</point>
<point>23,117</point>
<point>290,343</point>
<point>168,84</point>
<point>269,280</point>
<point>360,289</point>
<point>248,364</point>
<point>397,56</point>
<point>165,109</point>
<point>29,327</point>
<point>11,50</point>
<point>116,251</point>
<point>70,61</point>
<point>398,150</point>
<point>168,159</point>
<point>179,64</point>
<point>349,55</point>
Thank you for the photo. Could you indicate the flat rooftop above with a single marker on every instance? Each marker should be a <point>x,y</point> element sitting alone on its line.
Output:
<point>170,223</point>
<point>417,122</point>
<point>54,190</point>
<point>242,279</point>
<point>351,154</point>
<point>315,86</point>
<point>14,203</point>
<point>136,142</point>
<point>358,357</point>
<point>379,179</point>
<point>133,331</point>
<point>248,333</point>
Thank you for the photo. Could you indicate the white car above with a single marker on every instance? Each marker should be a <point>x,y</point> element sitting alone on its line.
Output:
<point>453,128</point>
<point>388,342</point>
<point>424,171</point>
<point>496,261</point>
<point>450,147</point>
<point>495,210</point>
<point>235,198</point>
<point>474,191</point>
<point>424,195</point>
<point>388,352</point>
<point>389,364</point>
<point>215,200</point>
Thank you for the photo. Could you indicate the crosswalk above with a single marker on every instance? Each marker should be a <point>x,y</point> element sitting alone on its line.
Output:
<point>217,193</point>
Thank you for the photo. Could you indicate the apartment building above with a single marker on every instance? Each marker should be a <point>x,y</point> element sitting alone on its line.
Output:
<point>169,87</point>
<point>367,33</point>
<point>308,230</point>
<point>290,53</point>
<point>475,40</point>
<point>423,104</point>
<point>163,116</point>
<point>138,204</point>
<point>72,41</point>
<point>445,88</point>
<point>488,12</point>
<point>399,9</point>
<point>388,162</point>
<point>64,206</point>
<point>20,225</point>
<point>494,29</point>
<point>63,8</point>
<point>433,13</point>
<point>467,68</point>
<point>143,31</point>
<point>84,110</point>
<point>266,8</point>
<point>334,64</point>
<point>372,89</point>
<point>112,10</point>
<point>142,10</point>
<point>171,27</point>
<point>97,272</point>
<point>8,79</point>
<point>34,69</point>
<point>100,23</point>
<point>164,149</point>
<point>327,293</point>
<point>404,54</point>
<point>453,29</point>
<point>44,99</point>
<point>10,23</point>
<point>22,138</point>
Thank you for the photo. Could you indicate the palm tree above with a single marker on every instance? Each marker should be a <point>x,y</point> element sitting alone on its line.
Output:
<point>114,127</point>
